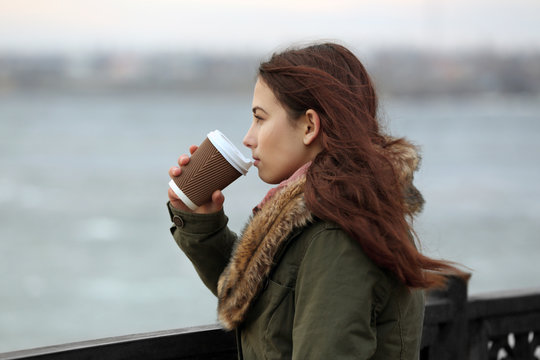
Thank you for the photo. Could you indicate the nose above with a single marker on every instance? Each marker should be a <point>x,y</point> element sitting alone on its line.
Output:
<point>250,139</point>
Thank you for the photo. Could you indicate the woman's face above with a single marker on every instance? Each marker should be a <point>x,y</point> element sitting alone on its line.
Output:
<point>277,145</point>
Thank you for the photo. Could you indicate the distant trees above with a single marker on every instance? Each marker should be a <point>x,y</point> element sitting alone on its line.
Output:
<point>426,74</point>
<point>396,72</point>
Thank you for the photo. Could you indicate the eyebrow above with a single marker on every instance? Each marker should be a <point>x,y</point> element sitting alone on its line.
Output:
<point>255,108</point>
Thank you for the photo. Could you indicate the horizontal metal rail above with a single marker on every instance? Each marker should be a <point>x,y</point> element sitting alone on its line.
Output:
<point>503,325</point>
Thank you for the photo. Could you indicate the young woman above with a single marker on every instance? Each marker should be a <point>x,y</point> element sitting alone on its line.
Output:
<point>326,267</point>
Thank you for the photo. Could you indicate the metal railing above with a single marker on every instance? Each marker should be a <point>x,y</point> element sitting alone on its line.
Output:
<point>496,326</point>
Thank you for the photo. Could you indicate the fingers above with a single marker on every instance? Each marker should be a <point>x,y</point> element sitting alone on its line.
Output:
<point>183,160</point>
<point>218,199</point>
<point>172,195</point>
<point>211,207</point>
<point>214,206</point>
<point>175,171</point>
<point>176,202</point>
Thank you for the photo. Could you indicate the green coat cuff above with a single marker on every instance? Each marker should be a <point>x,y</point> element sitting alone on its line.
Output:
<point>206,240</point>
<point>191,223</point>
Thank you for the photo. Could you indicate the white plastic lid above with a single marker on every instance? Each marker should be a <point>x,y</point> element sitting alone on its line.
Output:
<point>229,151</point>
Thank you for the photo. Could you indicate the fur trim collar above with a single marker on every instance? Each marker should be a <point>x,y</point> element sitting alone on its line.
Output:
<point>253,257</point>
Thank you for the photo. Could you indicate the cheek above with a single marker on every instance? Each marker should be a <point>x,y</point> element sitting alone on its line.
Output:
<point>277,135</point>
<point>267,138</point>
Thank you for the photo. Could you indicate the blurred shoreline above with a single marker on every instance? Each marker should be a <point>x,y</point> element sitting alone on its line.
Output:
<point>397,73</point>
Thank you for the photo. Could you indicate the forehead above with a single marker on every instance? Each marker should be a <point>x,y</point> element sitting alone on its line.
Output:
<point>264,97</point>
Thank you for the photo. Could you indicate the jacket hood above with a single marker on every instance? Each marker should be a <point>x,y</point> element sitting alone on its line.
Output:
<point>405,158</point>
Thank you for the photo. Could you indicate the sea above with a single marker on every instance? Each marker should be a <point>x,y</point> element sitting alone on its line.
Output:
<point>85,246</point>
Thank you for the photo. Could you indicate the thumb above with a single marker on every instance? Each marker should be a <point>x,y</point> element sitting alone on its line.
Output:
<point>218,199</point>
<point>213,206</point>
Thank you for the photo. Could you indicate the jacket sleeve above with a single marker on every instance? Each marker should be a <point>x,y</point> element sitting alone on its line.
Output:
<point>337,293</point>
<point>206,240</point>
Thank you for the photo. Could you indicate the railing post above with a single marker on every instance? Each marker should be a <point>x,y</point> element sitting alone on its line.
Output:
<point>478,340</point>
<point>452,339</point>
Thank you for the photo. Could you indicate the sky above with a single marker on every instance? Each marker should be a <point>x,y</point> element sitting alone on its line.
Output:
<point>246,26</point>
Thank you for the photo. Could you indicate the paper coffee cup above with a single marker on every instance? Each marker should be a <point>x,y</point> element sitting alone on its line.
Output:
<point>213,166</point>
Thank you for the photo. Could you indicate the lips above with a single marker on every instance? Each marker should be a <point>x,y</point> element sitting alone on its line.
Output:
<point>256,161</point>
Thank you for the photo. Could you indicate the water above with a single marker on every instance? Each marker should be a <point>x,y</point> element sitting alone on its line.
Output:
<point>85,248</point>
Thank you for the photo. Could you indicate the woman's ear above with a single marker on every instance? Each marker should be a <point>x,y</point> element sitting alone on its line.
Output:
<point>312,125</point>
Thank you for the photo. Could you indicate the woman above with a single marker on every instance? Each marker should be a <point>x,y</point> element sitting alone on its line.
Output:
<point>326,267</point>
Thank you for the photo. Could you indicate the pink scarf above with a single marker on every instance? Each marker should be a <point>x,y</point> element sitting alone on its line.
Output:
<point>301,171</point>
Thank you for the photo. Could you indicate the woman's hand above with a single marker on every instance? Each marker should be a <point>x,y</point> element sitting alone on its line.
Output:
<point>217,197</point>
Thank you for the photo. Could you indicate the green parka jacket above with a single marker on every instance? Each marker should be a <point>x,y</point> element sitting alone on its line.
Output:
<point>296,287</point>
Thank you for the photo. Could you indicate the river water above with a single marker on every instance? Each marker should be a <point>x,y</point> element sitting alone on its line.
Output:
<point>85,248</point>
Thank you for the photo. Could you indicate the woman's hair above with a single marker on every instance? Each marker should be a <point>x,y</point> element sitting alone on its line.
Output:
<point>352,181</point>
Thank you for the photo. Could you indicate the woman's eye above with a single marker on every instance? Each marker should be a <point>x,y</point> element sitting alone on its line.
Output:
<point>257,118</point>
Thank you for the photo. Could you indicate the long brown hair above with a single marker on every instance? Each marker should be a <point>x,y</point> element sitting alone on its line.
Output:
<point>352,182</point>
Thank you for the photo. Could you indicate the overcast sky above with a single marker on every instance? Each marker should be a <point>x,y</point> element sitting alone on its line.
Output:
<point>262,26</point>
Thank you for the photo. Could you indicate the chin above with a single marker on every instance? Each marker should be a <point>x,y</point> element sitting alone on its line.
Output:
<point>267,178</point>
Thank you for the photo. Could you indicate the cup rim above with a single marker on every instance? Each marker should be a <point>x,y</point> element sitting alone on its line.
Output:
<point>229,151</point>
